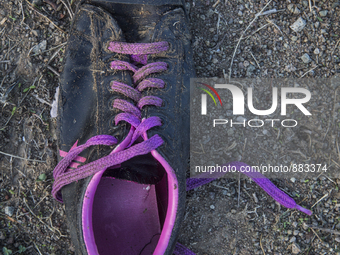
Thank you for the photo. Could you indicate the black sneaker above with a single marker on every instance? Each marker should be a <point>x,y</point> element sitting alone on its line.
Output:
<point>128,198</point>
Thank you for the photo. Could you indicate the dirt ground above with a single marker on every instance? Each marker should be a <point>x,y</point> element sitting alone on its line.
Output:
<point>224,217</point>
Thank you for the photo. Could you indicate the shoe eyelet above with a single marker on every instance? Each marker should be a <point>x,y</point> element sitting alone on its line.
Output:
<point>170,66</point>
<point>165,103</point>
<point>172,47</point>
<point>112,123</point>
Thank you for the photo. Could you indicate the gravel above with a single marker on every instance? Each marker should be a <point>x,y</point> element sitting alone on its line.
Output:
<point>227,220</point>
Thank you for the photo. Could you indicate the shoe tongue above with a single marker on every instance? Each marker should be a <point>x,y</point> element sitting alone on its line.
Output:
<point>137,21</point>
<point>143,169</point>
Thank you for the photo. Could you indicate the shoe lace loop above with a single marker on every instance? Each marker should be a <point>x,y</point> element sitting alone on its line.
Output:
<point>138,53</point>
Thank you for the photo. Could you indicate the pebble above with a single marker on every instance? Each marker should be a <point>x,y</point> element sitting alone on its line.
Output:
<point>305,58</point>
<point>292,179</point>
<point>294,38</point>
<point>35,33</point>
<point>336,4</point>
<point>212,207</point>
<point>37,2</point>
<point>290,68</point>
<point>296,232</point>
<point>40,47</point>
<point>215,60</point>
<point>295,248</point>
<point>323,13</point>
<point>9,210</point>
<point>304,226</point>
<point>246,63</point>
<point>241,119</point>
<point>298,25</point>
<point>293,239</point>
<point>316,51</point>
<point>250,70</point>
<point>293,9</point>
<point>2,236</point>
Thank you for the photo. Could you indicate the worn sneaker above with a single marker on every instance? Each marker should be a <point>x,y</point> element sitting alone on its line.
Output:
<point>123,120</point>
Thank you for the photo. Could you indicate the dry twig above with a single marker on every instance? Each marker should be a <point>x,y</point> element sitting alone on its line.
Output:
<point>261,245</point>
<point>243,33</point>
<point>33,8</point>
<point>68,9</point>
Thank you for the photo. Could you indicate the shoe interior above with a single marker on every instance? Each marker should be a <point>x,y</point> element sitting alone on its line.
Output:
<point>127,217</point>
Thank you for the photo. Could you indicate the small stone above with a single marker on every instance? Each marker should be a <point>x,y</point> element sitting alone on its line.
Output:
<point>250,70</point>
<point>290,68</point>
<point>40,47</point>
<point>294,38</point>
<point>293,9</point>
<point>239,13</point>
<point>265,131</point>
<point>2,236</point>
<point>9,210</point>
<point>241,119</point>
<point>289,232</point>
<point>305,58</point>
<point>51,26</point>
<point>336,4</point>
<point>215,60</point>
<point>35,33</point>
<point>295,248</point>
<point>293,239</point>
<point>233,211</point>
<point>337,239</point>
<point>37,2</point>
<point>246,63</point>
<point>3,21</point>
<point>292,179</point>
<point>317,24</point>
<point>323,13</point>
<point>230,132</point>
<point>212,207</point>
<point>304,226</point>
<point>296,232</point>
<point>316,51</point>
<point>298,25</point>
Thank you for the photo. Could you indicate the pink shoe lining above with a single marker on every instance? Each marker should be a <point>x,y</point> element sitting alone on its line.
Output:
<point>170,217</point>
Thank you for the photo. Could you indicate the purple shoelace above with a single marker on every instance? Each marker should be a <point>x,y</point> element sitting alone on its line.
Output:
<point>260,179</point>
<point>132,114</point>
